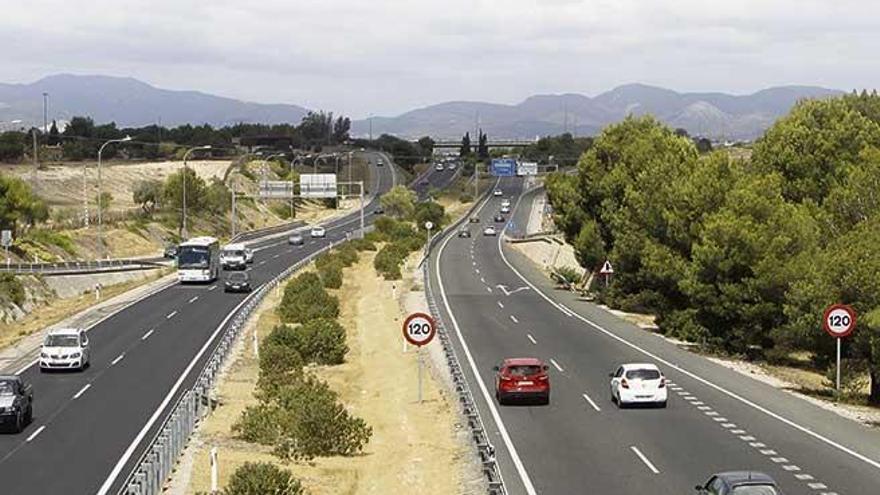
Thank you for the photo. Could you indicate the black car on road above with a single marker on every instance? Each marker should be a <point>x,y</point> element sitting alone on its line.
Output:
<point>739,483</point>
<point>499,219</point>
<point>237,282</point>
<point>16,403</point>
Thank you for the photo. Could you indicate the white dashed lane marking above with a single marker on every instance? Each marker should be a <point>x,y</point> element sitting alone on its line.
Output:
<point>147,335</point>
<point>513,319</point>
<point>82,390</point>
<point>500,304</point>
<point>118,358</point>
<point>170,315</point>
<point>645,460</point>
<point>531,339</point>
<point>194,299</point>
<point>590,401</point>
<point>34,434</point>
<point>556,365</point>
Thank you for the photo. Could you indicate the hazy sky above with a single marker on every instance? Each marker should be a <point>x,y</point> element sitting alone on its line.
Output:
<point>387,56</point>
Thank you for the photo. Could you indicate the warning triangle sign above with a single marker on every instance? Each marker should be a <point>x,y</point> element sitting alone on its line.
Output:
<point>606,268</point>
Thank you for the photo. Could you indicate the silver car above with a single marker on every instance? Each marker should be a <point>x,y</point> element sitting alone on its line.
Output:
<point>295,239</point>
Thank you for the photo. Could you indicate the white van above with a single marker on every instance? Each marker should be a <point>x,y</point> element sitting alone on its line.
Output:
<point>233,257</point>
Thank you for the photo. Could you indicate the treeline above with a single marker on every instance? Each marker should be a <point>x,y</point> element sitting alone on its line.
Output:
<point>82,138</point>
<point>402,229</point>
<point>565,149</point>
<point>742,256</point>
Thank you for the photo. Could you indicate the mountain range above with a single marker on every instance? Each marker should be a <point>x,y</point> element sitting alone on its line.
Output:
<point>130,102</point>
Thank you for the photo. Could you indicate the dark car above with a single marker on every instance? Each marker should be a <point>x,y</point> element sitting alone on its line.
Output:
<point>170,251</point>
<point>424,182</point>
<point>237,282</point>
<point>464,233</point>
<point>379,210</point>
<point>522,379</point>
<point>16,403</point>
<point>475,220</point>
<point>739,483</point>
<point>499,219</point>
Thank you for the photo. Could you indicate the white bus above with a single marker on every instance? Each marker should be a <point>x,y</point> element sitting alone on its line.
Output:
<point>233,257</point>
<point>198,260</point>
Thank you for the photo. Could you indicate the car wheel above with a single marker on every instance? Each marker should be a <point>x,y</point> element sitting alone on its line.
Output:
<point>29,417</point>
<point>19,423</point>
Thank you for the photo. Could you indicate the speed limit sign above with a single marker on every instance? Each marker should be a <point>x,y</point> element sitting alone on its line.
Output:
<point>839,320</point>
<point>418,329</point>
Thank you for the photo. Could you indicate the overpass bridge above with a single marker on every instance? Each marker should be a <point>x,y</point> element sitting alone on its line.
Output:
<point>497,143</point>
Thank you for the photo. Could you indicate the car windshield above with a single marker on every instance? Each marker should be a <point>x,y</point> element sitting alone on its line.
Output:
<point>62,341</point>
<point>6,388</point>
<point>237,277</point>
<point>233,253</point>
<point>643,374</point>
<point>755,490</point>
<point>193,257</point>
<point>523,370</point>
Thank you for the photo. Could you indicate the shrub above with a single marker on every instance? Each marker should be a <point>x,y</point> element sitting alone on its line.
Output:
<point>388,260</point>
<point>364,244</point>
<point>262,478</point>
<point>321,341</point>
<point>374,236</point>
<point>11,288</point>
<point>331,275</point>
<point>258,424</point>
<point>325,259</point>
<point>306,299</point>
<point>569,275</point>
<point>347,254</point>
<point>49,238</point>
<point>312,423</point>
<point>280,363</point>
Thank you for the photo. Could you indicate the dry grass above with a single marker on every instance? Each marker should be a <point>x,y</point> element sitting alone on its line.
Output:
<point>60,309</point>
<point>377,383</point>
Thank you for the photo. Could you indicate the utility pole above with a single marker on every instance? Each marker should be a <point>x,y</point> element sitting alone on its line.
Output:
<point>46,113</point>
<point>371,128</point>
<point>36,160</point>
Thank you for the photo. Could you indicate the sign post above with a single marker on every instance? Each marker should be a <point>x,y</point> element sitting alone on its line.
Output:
<point>419,330</point>
<point>839,321</point>
<point>6,241</point>
<point>607,270</point>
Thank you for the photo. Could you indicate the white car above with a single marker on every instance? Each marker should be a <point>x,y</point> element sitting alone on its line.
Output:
<point>505,202</point>
<point>438,167</point>
<point>638,383</point>
<point>65,348</point>
<point>505,209</point>
<point>451,166</point>
<point>318,232</point>
<point>497,192</point>
<point>490,230</point>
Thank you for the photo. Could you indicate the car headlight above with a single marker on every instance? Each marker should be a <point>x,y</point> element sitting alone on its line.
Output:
<point>76,354</point>
<point>44,355</point>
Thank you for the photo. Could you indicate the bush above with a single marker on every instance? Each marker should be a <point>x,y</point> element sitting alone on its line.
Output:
<point>306,299</point>
<point>262,478</point>
<point>364,244</point>
<point>388,260</point>
<point>347,255</point>
<point>331,275</point>
<point>49,238</point>
<point>312,423</point>
<point>280,363</point>
<point>258,424</point>
<point>321,341</point>
<point>11,289</point>
<point>375,236</point>
<point>325,259</point>
<point>568,275</point>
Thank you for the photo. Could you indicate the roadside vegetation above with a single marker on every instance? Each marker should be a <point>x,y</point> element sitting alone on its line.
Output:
<point>741,256</point>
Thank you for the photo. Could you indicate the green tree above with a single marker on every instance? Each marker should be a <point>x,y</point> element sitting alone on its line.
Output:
<point>399,202</point>
<point>588,246</point>
<point>483,146</point>
<point>218,198</point>
<point>148,194</point>
<point>426,144</point>
<point>321,341</point>
<point>306,299</point>
<point>172,193</point>
<point>429,211</point>
<point>262,478</point>
<point>54,135</point>
<point>104,200</point>
<point>12,146</point>
<point>465,149</point>
<point>19,205</point>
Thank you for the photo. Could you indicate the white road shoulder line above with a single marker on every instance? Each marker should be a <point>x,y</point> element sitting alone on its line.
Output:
<point>645,459</point>
<point>118,358</point>
<point>590,401</point>
<point>82,390</point>
<point>35,433</point>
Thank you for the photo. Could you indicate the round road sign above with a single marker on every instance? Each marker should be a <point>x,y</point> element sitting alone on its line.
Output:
<point>418,329</point>
<point>429,225</point>
<point>839,320</point>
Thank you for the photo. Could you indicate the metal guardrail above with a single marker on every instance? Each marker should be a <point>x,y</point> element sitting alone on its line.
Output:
<point>65,267</point>
<point>485,450</point>
<point>159,458</point>
<point>254,234</point>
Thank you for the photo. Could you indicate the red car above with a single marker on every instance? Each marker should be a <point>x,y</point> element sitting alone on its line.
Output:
<point>522,379</point>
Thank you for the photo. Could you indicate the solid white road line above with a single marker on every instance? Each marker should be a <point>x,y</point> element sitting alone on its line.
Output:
<point>513,319</point>
<point>645,459</point>
<point>490,401</point>
<point>194,299</point>
<point>590,401</point>
<point>532,339</point>
<point>123,460</point>
<point>82,390</point>
<point>733,395</point>
<point>118,358</point>
<point>556,365</point>
<point>34,434</point>
<point>147,335</point>
<point>170,315</point>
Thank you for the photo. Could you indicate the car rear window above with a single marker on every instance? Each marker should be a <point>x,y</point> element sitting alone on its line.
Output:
<point>523,370</point>
<point>237,276</point>
<point>643,374</point>
<point>755,490</point>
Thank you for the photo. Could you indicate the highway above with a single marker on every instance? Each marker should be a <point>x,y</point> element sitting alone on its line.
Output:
<point>83,437</point>
<point>497,304</point>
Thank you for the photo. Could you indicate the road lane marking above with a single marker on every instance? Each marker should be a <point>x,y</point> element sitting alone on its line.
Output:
<point>118,358</point>
<point>532,339</point>
<point>483,280</point>
<point>147,335</point>
<point>645,459</point>
<point>513,319</point>
<point>500,305</point>
<point>804,477</point>
<point>212,288</point>
<point>590,401</point>
<point>34,434</point>
<point>82,390</point>
<point>791,468</point>
<point>170,315</point>
<point>262,262</point>
<point>196,298</point>
<point>556,365</point>
<point>276,256</point>
<point>489,289</point>
<point>768,452</point>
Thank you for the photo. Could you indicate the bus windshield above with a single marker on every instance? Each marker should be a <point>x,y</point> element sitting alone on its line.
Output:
<point>193,257</point>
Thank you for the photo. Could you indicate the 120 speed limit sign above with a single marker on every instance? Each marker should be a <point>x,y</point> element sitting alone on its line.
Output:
<point>418,329</point>
<point>839,320</point>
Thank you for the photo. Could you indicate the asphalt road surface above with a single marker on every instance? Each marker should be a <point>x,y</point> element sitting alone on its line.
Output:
<point>496,304</point>
<point>84,422</point>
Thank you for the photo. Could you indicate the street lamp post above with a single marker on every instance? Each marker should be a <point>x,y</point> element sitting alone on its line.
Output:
<point>183,231</point>
<point>101,249</point>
